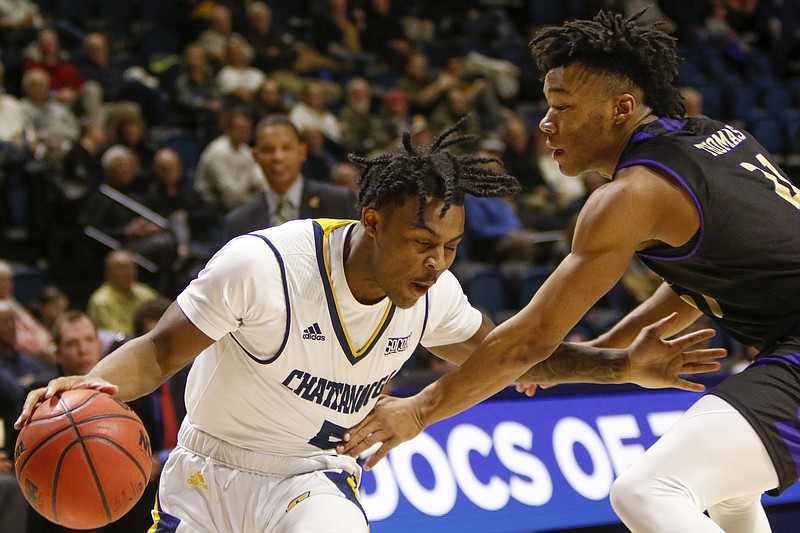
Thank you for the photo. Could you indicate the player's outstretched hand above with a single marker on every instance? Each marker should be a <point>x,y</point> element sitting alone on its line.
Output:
<point>391,422</point>
<point>37,396</point>
<point>659,363</point>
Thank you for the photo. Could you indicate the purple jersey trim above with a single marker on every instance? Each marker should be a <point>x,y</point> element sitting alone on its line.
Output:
<point>641,136</point>
<point>671,124</point>
<point>651,163</point>
<point>793,358</point>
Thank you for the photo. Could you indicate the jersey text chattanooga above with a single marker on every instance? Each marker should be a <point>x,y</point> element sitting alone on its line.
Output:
<point>342,397</point>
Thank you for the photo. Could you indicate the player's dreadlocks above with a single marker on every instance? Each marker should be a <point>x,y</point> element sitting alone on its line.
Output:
<point>644,54</point>
<point>430,172</point>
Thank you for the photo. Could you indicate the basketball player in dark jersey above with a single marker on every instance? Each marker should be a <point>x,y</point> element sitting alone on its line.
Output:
<point>707,208</point>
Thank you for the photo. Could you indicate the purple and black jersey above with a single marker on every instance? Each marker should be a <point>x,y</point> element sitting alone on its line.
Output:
<point>742,268</point>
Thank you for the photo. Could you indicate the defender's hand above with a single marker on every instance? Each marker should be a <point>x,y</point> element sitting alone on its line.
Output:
<point>391,422</point>
<point>658,363</point>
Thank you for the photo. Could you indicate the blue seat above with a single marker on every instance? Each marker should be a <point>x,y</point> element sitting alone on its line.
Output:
<point>713,99</point>
<point>188,147</point>
<point>486,289</point>
<point>28,283</point>
<point>768,130</point>
<point>777,98</point>
<point>743,102</point>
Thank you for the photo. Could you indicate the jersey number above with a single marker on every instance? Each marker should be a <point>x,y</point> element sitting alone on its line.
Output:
<point>328,436</point>
<point>783,187</point>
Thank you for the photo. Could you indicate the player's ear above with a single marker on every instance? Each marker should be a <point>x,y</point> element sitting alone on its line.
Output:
<point>624,108</point>
<point>369,218</point>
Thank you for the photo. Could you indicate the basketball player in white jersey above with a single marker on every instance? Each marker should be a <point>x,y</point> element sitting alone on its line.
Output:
<point>295,330</point>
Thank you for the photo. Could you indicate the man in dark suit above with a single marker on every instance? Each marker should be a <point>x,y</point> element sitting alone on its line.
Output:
<point>280,152</point>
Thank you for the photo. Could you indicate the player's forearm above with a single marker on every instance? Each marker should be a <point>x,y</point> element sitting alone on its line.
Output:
<point>662,303</point>
<point>498,361</point>
<point>577,363</point>
<point>133,367</point>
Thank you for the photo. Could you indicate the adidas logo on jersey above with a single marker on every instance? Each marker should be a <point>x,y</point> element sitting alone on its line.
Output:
<point>313,333</point>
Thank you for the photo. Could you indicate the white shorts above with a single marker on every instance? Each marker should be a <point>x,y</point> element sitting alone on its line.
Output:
<point>198,493</point>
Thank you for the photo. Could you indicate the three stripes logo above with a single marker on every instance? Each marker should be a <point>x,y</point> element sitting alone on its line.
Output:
<point>313,333</point>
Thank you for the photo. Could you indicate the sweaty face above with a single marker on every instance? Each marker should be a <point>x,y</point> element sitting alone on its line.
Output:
<point>280,154</point>
<point>579,121</point>
<point>408,256</point>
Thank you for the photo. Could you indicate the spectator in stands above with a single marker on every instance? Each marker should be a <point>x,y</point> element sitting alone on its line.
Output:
<point>112,304</point>
<point>424,89</point>
<point>269,101</point>
<point>227,175</point>
<point>130,130</point>
<point>19,373</point>
<point>197,93</point>
<point>273,49</point>
<point>46,53</point>
<point>12,117</point>
<point>67,84</point>
<point>336,33</point>
<point>78,348</point>
<point>28,371</point>
<point>81,169</point>
<point>280,152</point>
<point>55,127</point>
<point>119,90</point>
<point>19,21</point>
<point>346,174</point>
<point>123,220</point>
<point>192,221</point>
<point>538,208</point>
<point>395,114</point>
<point>285,59</point>
<point>14,210</point>
<point>479,91</point>
<point>312,110</point>
<point>215,39</point>
<point>493,230</point>
<point>49,304</point>
<point>455,105</point>
<point>320,160</point>
<point>384,36</point>
<point>692,101</point>
<point>362,130</point>
<point>237,80</point>
<point>31,337</point>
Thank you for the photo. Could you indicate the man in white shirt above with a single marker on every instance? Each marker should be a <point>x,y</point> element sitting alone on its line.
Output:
<point>227,175</point>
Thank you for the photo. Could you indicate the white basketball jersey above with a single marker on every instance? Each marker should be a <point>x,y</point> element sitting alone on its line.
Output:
<point>292,383</point>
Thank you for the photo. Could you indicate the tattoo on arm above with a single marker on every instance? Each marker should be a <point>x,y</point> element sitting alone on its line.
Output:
<point>574,363</point>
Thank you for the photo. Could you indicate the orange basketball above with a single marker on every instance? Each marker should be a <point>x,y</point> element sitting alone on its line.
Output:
<point>83,459</point>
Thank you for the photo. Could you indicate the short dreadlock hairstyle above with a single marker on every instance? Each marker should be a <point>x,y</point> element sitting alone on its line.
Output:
<point>430,172</point>
<point>609,43</point>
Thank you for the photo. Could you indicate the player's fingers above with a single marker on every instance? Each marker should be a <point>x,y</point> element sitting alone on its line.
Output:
<point>382,452</point>
<point>34,397</point>
<point>684,342</point>
<point>356,449</point>
<point>706,354</point>
<point>355,437</point>
<point>685,384</point>
<point>700,368</point>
